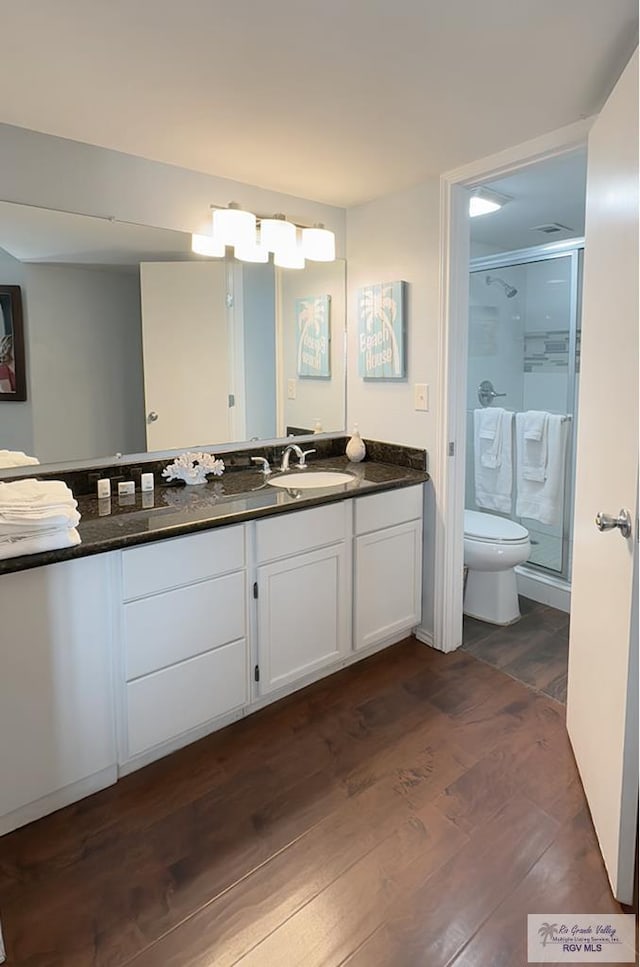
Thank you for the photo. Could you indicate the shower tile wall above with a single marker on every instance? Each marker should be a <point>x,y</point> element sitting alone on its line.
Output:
<point>522,345</point>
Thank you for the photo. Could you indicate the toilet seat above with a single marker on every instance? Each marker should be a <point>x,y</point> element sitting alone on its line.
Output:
<point>487,529</point>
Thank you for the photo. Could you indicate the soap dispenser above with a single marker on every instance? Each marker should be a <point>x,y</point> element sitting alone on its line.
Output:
<point>356,450</point>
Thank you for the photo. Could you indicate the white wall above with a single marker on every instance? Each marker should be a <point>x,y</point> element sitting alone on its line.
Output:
<point>89,401</point>
<point>397,238</point>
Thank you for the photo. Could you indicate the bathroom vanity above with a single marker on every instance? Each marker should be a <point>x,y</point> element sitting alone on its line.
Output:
<point>170,622</point>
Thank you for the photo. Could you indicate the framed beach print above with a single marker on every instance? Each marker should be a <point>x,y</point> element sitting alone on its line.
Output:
<point>382,331</point>
<point>13,383</point>
<point>313,332</point>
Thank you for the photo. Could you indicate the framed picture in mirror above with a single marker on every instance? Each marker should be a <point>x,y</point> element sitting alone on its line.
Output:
<point>13,383</point>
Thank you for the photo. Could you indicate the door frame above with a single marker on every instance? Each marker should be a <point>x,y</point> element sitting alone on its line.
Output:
<point>449,456</point>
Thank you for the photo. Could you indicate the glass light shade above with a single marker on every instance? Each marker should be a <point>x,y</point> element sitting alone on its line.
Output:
<point>289,258</point>
<point>277,235</point>
<point>482,206</point>
<point>251,253</point>
<point>234,226</point>
<point>207,245</point>
<point>318,244</point>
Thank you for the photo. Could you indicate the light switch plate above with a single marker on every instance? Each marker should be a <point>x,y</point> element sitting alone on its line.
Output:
<point>421,396</point>
<point>291,389</point>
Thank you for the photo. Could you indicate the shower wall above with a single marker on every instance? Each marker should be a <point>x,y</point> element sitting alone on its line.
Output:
<point>524,346</point>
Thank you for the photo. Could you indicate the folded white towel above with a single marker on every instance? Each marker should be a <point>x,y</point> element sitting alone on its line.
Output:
<point>35,496</point>
<point>542,499</point>
<point>37,545</point>
<point>493,463</point>
<point>16,458</point>
<point>535,423</point>
<point>13,523</point>
<point>533,456</point>
<point>490,436</point>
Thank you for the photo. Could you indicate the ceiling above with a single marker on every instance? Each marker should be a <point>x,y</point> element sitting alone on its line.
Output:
<point>547,192</point>
<point>338,101</point>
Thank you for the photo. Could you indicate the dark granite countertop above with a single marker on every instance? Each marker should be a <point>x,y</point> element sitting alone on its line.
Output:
<point>237,496</point>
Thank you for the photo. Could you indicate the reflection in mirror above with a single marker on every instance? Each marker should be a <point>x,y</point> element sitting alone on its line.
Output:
<point>134,344</point>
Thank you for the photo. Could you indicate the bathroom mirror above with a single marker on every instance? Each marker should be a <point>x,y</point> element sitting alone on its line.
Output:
<point>134,344</point>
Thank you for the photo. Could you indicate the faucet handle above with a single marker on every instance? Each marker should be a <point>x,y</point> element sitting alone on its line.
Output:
<point>303,459</point>
<point>264,465</point>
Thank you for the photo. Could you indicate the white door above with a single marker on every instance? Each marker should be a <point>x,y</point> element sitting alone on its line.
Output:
<point>602,695</point>
<point>186,353</point>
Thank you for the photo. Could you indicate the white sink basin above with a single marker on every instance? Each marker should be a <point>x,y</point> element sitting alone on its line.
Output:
<point>310,479</point>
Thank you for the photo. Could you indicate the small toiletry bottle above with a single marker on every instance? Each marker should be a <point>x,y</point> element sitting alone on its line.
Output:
<point>356,450</point>
<point>317,427</point>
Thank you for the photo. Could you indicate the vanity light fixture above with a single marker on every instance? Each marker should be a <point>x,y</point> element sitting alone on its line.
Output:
<point>254,237</point>
<point>484,201</point>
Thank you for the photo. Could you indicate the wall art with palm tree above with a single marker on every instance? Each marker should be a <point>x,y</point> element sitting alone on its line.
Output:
<point>313,330</point>
<point>382,330</point>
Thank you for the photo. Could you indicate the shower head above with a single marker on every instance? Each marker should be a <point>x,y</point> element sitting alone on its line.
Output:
<point>510,290</point>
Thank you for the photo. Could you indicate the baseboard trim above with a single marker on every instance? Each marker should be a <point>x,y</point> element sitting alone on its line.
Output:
<point>57,800</point>
<point>424,636</point>
<point>544,589</point>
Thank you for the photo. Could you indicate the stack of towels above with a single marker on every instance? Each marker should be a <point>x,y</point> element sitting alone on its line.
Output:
<point>16,458</point>
<point>36,516</point>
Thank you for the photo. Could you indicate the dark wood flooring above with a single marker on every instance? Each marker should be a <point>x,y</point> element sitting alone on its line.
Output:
<point>409,810</point>
<point>534,650</point>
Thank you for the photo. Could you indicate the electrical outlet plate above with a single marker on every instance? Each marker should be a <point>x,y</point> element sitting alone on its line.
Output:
<point>291,389</point>
<point>421,396</point>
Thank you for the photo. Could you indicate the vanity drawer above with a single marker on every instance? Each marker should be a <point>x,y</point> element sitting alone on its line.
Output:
<point>171,627</point>
<point>168,703</point>
<point>387,509</point>
<point>169,564</point>
<point>290,534</point>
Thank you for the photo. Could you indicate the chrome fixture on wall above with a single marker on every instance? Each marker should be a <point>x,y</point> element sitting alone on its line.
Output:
<point>510,290</point>
<point>254,237</point>
<point>486,393</point>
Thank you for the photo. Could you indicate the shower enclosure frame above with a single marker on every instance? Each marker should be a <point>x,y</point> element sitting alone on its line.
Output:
<point>567,248</point>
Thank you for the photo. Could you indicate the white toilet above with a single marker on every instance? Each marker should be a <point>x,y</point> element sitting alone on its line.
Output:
<point>493,546</point>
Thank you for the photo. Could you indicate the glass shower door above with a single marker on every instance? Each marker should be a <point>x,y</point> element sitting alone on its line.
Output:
<point>524,338</point>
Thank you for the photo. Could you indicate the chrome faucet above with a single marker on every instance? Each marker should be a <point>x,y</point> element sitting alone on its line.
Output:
<point>301,455</point>
<point>264,465</point>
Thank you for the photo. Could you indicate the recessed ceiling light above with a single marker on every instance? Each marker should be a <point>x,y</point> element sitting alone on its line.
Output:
<point>483,201</point>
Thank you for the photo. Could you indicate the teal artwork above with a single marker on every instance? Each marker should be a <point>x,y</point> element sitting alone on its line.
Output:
<point>314,336</point>
<point>381,331</point>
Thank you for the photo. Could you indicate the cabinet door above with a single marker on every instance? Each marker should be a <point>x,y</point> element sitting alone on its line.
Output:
<point>56,704</point>
<point>388,565</point>
<point>303,615</point>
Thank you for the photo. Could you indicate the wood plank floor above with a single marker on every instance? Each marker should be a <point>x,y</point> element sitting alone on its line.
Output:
<point>409,810</point>
<point>534,650</point>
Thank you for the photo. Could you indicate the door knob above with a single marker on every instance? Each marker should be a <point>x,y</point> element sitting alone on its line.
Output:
<point>152,416</point>
<point>606,522</point>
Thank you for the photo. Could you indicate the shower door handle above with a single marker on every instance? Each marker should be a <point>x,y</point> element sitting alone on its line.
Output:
<point>606,522</point>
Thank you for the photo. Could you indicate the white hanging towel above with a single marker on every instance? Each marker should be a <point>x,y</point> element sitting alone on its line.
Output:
<point>532,460</point>
<point>493,459</point>
<point>540,466</point>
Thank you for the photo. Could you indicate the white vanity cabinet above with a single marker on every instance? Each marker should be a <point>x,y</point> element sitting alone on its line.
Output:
<point>303,590</point>
<point>387,565</point>
<point>57,728</point>
<point>184,651</point>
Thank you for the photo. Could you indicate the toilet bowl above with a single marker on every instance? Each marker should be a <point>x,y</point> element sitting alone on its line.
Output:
<point>493,546</point>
